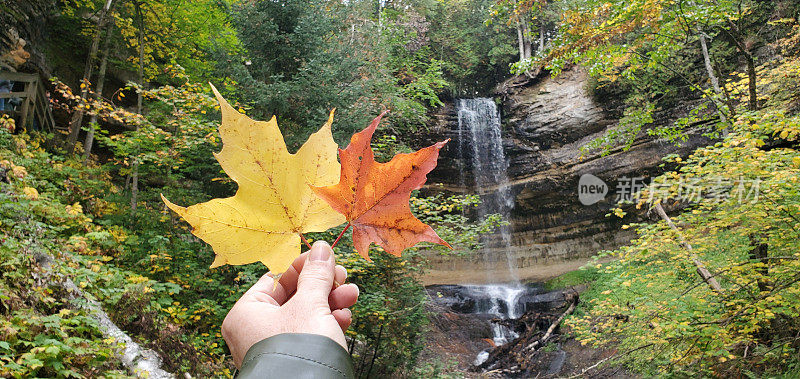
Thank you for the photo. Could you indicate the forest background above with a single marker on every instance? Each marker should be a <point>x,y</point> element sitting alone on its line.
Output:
<point>137,120</point>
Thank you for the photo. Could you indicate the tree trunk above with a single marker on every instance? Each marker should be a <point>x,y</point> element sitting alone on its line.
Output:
<point>523,38</point>
<point>375,353</point>
<point>751,81</point>
<point>526,39</point>
<point>88,70</point>
<point>520,41</point>
<point>751,64</point>
<point>101,78</point>
<point>707,60</point>
<point>760,252</point>
<point>134,187</point>
<point>541,37</point>
<point>701,268</point>
<point>711,75</point>
<point>135,172</point>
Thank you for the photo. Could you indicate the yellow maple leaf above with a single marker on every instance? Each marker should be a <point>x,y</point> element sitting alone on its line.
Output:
<point>31,193</point>
<point>274,202</point>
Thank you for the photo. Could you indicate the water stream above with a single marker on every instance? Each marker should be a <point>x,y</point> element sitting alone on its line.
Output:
<point>480,143</point>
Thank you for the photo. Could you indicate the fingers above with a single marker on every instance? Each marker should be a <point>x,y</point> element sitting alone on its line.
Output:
<point>343,296</point>
<point>263,291</point>
<point>315,281</point>
<point>340,275</point>
<point>288,280</point>
<point>287,285</point>
<point>344,317</point>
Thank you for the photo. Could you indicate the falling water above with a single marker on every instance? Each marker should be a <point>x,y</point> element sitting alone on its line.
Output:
<point>502,302</point>
<point>481,145</point>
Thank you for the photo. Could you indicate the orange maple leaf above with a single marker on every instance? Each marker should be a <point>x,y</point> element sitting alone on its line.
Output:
<point>374,196</point>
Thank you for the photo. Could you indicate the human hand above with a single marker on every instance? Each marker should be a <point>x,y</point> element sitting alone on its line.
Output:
<point>306,300</point>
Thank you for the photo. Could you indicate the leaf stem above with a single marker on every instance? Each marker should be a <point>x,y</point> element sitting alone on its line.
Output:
<point>305,241</point>
<point>340,235</point>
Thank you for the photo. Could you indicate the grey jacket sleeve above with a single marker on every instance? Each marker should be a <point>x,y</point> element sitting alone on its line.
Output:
<point>297,355</point>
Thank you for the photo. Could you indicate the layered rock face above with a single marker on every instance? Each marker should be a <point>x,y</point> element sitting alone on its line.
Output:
<point>545,122</point>
<point>22,28</point>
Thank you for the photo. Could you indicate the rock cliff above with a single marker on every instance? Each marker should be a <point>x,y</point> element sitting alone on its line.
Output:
<point>22,29</point>
<point>545,122</point>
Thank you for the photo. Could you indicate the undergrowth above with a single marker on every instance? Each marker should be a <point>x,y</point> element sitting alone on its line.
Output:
<point>48,238</point>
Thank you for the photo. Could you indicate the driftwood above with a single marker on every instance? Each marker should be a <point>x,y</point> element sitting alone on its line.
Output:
<point>514,357</point>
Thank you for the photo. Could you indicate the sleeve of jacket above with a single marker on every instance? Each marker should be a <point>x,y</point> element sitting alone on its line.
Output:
<point>297,355</point>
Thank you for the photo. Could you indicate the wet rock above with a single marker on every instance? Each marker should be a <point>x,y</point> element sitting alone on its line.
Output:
<point>454,336</point>
<point>548,301</point>
<point>557,363</point>
<point>482,298</point>
<point>452,297</point>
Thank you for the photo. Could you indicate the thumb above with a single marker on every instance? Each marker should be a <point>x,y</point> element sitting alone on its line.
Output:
<point>316,278</point>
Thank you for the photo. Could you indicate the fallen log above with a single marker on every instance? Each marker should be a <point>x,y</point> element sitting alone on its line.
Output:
<point>142,362</point>
<point>543,341</point>
<point>701,268</point>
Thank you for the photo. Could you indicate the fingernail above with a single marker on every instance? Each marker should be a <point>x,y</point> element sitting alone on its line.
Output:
<point>321,251</point>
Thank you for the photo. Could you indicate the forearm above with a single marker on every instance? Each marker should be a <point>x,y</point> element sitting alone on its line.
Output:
<point>297,355</point>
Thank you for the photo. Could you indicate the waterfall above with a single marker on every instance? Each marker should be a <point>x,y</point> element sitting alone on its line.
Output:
<point>480,143</point>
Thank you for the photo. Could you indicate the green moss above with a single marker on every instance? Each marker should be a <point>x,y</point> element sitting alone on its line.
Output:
<point>584,275</point>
